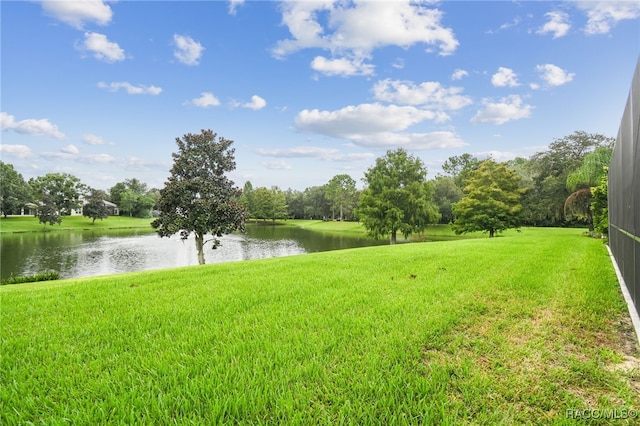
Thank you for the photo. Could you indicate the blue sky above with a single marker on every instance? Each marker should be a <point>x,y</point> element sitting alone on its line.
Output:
<point>307,89</point>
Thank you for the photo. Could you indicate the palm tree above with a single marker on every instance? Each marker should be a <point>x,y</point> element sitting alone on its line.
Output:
<point>581,180</point>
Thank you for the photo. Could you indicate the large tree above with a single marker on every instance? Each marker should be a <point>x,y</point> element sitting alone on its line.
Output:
<point>133,198</point>
<point>198,197</point>
<point>269,203</point>
<point>550,170</point>
<point>397,197</point>
<point>459,166</point>
<point>315,202</point>
<point>445,195</point>
<point>47,211</point>
<point>295,203</point>
<point>95,208</point>
<point>581,180</point>
<point>341,193</point>
<point>65,191</point>
<point>491,200</point>
<point>246,199</point>
<point>14,191</point>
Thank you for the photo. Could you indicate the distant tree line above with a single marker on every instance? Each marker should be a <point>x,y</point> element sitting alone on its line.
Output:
<point>562,186</point>
<point>551,188</point>
<point>56,195</point>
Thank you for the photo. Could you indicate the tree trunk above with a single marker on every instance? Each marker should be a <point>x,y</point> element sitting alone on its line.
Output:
<point>200,248</point>
<point>491,233</point>
<point>393,236</point>
<point>341,212</point>
<point>590,218</point>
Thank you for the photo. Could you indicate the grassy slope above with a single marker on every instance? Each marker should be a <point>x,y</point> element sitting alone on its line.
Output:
<point>31,224</point>
<point>509,330</point>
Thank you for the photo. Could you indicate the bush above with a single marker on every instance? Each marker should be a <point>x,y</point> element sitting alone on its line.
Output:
<point>42,276</point>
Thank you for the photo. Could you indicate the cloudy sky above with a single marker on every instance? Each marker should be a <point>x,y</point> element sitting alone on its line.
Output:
<point>306,89</point>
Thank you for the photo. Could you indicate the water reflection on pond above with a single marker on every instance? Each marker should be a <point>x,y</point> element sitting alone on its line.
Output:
<point>88,253</point>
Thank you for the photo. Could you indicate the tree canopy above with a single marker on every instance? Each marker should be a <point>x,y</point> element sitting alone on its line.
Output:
<point>133,198</point>
<point>198,197</point>
<point>491,200</point>
<point>63,189</point>
<point>459,166</point>
<point>95,208</point>
<point>48,211</point>
<point>397,197</point>
<point>445,195</point>
<point>582,179</point>
<point>341,193</point>
<point>549,169</point>
<point>268,203</point>
<point>14,191</point>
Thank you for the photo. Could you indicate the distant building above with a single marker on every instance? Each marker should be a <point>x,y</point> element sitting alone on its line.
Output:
<point>31,209</point>
<point>113,209</point>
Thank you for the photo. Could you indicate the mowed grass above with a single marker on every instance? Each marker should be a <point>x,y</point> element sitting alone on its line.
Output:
<point>328,226</point>
<point>511,330</point>
<point>438,232</point>
<point>31,224</point>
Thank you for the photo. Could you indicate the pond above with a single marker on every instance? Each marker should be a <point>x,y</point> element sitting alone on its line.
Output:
<point>88,253</point>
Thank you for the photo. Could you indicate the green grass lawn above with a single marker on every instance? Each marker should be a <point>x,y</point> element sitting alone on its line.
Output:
<point>511,330</point>
<point>31,223</point>
<point>438,232</point>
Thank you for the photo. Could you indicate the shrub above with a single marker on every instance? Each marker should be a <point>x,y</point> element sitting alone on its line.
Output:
<point>42,276</point>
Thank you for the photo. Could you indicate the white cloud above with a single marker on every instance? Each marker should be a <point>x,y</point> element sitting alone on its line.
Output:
<point>77,13</point>
<point>188,51</point>
<point>375,125</point>
<point>69,153</point>
<point>516,21</point>
<point>604,15</point>
<point>554,75</point>
<point>130,88</point>
<point>298,152</point>
<point>398,63</point>
<point>233,6</point>
<point>459,74</point>
<point>508,109</point>
<point>343,67</point>
<point>18,151</point>
<point>411,141</point>
<point>276,165</point>
<point>357,28</point>
<point>505,77</point>
<point>558,24</point>
<point>206,100</point>
<point>30,126</point>
<point>101,47</point>
<point>58,155</point>
<point>429,94</point>
<point>139,164</point>
<point>97,158</point>
<point>352,157</point>
<point>91,139</point>
<point>256,103</point>
<point>325,154</point>
<point>499,156</point>
<point>70,149</point>
<point>361,119</point>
